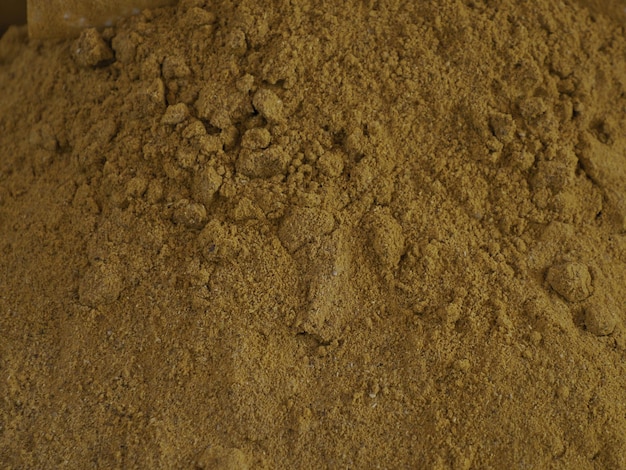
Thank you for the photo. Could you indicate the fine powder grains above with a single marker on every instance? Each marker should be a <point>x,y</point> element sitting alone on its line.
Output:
<point>316,235</point>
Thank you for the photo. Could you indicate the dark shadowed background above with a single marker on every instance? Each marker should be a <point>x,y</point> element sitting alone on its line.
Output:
<point>12,12</point>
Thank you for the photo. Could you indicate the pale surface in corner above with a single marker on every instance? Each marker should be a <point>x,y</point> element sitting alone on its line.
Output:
<point>66,18</point>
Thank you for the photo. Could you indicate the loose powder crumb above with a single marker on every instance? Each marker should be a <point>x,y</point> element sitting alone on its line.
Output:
<point>316,235</point>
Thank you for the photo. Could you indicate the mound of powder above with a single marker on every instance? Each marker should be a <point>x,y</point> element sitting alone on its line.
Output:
<point>316,235</point>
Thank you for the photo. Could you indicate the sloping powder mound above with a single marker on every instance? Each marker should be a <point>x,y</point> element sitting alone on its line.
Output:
<point>316,235</point>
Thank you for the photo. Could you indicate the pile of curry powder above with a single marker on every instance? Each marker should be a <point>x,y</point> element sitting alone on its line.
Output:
<point>316,234</point>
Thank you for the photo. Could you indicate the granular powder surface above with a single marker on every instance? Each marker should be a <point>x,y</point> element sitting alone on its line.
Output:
<point>316,234</point>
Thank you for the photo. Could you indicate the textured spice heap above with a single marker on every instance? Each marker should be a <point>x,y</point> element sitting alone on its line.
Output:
<point>322,234</point>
